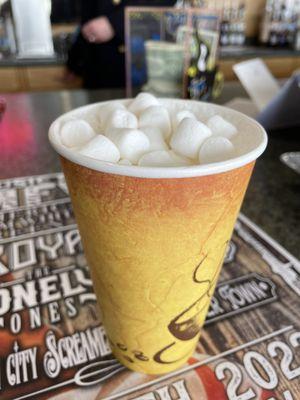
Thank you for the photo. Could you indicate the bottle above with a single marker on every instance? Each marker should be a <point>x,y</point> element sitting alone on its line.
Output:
<point>8,30</point>
<point>297,33</point>
<point>267,22</point>
<point>225,26</point>
<point>241,36</point>
<point>233,24</point>
<point>196,86</point>
<point>182,4</point>
<point>189,3</point>
<point>274,36</point>
<point>292,24</point>
<point>282,26</point>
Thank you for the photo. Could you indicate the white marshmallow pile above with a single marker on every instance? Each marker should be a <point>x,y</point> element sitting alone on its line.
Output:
<point>147,134</point>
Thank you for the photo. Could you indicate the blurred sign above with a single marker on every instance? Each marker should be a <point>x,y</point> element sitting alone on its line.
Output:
<point>171,52</point>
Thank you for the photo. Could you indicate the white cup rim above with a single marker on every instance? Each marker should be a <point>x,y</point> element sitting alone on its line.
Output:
<point>162,172</point>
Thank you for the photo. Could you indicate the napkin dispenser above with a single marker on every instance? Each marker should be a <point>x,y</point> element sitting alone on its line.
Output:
<point>283,111</point>
<point>277,106</point>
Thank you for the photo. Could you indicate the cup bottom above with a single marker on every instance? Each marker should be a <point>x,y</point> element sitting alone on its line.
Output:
<point>152,367</point>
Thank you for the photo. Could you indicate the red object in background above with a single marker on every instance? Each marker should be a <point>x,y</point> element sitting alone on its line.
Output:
<point>2,108</point>
<point>17,135</point>
<point>214,389</point>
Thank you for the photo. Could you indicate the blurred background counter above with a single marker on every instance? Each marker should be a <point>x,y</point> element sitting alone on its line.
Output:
<point>47,73</point>
<point>269,29</point>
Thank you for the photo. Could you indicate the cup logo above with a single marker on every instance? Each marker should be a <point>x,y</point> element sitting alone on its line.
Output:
<point>187,324</point>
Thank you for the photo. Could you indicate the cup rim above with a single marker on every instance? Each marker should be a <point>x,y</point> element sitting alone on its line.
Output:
<point>159,172</point>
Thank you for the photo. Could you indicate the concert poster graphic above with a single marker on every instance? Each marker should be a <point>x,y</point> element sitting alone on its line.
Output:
<point>53,345</point>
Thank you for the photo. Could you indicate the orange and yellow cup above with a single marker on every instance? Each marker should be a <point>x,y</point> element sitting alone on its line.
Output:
<point>155,240</point>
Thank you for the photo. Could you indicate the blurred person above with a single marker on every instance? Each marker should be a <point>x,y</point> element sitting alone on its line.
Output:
<point>64,10</point>
<point>98,53</point>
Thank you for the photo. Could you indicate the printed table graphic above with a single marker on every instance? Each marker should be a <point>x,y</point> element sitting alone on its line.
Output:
<point>52,343</point>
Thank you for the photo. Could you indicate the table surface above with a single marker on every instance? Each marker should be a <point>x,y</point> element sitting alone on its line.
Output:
<point>272,200</point>
<point>226,52</point>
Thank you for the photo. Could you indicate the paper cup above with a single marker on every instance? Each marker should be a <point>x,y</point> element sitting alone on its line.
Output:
<point>155,239</point>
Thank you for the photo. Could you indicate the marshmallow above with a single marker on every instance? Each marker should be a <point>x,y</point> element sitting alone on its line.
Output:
<point>189,136</point>
<point>141,102</point>
<point>216,149</point>
<point>163,158</point>
<point>132,144</point>
<point>156,138</point>
<point>157,117</point>
<point>102,149</point>
<point>220,127</point>
<point>115,132</point>
<point>107,109</point>
<point>120,119</point>
<point>179,116</point>
<point>76,133</point>
<point>123,161</point>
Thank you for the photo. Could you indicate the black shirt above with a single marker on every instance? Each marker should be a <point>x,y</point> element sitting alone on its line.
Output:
<point>103,65</point>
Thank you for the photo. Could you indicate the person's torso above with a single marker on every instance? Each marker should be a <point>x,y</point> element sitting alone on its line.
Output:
<point>92,8</point>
